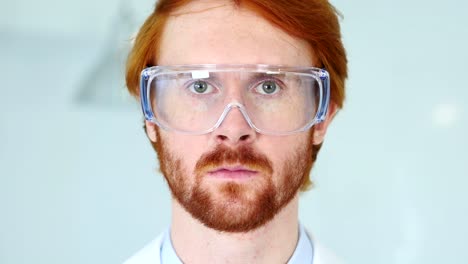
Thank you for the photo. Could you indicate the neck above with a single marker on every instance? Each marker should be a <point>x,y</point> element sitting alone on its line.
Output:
<point>274,242</point>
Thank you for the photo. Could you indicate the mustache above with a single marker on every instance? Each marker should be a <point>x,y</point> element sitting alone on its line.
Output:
<point>244,155</point>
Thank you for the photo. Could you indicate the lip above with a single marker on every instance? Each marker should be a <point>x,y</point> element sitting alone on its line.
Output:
<point>232,173</point>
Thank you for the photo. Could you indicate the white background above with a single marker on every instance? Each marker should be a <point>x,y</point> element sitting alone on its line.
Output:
<point>79,181</point>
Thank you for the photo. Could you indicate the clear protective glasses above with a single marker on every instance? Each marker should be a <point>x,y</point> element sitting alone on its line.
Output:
<point>195,99</point>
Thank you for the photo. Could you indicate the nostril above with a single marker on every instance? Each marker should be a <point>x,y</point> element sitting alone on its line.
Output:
<point>244,137</point>
<point>222,137</point>
<point>225,138</point>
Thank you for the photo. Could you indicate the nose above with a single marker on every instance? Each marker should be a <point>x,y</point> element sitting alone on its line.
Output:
<point>234,129</point>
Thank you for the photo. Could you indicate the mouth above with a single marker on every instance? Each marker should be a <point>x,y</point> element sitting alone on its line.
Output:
<point>232,173</point>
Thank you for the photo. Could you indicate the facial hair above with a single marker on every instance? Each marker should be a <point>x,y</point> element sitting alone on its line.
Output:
<point>233,206</point>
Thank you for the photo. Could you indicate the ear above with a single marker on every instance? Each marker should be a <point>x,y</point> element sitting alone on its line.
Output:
<point>321,129</point>
<point>150,130</point>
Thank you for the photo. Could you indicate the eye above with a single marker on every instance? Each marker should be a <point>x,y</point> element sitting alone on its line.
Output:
<point>201,87</point>
<point>267,87</point>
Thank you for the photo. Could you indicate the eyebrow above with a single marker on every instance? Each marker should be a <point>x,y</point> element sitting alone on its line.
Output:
<point>217,78</point>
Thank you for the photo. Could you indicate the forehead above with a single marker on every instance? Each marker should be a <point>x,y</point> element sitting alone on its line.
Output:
<point>219,33</point>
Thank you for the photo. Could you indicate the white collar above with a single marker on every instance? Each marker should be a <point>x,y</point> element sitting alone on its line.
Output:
<point>303,253</point>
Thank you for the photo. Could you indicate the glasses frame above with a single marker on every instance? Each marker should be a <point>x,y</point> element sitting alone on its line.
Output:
<point>321,75</point>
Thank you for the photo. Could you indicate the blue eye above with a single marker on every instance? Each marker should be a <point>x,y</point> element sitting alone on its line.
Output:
<point>267,87</point>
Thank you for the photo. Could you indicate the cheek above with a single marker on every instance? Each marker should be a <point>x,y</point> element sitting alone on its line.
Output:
<point>188,149</point>
<point>283,149</point>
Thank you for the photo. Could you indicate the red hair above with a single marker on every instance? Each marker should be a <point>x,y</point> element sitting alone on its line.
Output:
<point>315,21</point>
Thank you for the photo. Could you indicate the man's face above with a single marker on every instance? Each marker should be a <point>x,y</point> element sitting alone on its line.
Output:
<point>232,179</point>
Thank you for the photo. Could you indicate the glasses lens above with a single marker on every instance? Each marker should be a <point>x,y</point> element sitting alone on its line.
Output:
<point>182,102</point>
<point>283,102</point>
<point>194,101</point>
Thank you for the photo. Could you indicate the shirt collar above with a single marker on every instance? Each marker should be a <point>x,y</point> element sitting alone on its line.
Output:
<point>168,254</point>
<point>304,252</point>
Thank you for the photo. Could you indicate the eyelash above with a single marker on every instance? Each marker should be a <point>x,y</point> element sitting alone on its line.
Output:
<point>257,81</point>
<point>261,80</point>
<point>189,84</point>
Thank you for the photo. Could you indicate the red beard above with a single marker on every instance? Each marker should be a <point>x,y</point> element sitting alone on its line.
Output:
<point>235,206</point>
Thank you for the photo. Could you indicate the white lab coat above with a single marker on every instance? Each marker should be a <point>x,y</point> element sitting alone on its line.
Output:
<point>150,254</point>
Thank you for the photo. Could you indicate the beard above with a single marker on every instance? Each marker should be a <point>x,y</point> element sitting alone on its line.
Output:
<point>234,206</point>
